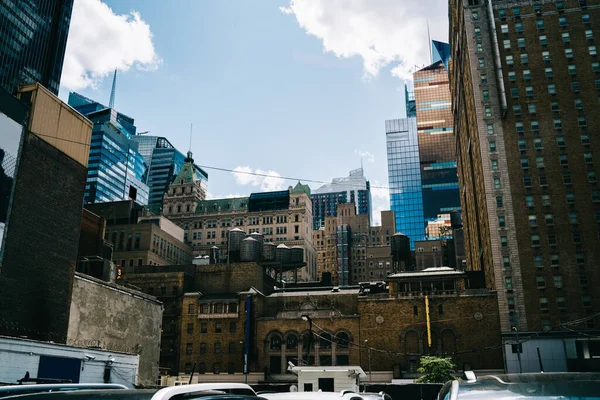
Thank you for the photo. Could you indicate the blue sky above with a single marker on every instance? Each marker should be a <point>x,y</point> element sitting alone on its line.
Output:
<point>260,91</point>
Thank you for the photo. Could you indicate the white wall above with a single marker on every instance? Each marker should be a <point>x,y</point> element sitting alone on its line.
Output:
<point>341,380</point>
<point>19,356</point>
<point>552,351</point>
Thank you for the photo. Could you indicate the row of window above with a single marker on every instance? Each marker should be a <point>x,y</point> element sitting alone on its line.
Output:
<point>563,159</point>
<point>216,368</point>
<point>561,303</point>
<point>217,348</point>
<point>516,11</point>
<point>218,327</point>
<point>214,308</point>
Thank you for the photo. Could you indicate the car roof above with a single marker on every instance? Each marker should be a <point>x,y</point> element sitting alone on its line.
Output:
<point>311,396</point>
<point>18,389</point>
<point>108,394</point>
<point>529,385</point>
<point>168,392</point>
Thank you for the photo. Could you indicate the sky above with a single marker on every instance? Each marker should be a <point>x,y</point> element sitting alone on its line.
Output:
<point>293,88</point>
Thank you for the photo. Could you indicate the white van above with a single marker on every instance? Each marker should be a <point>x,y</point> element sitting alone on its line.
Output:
<point>231,388</point>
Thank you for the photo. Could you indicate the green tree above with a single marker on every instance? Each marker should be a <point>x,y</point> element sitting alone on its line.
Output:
<point>436,370</point>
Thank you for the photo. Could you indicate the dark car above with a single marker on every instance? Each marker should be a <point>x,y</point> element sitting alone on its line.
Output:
<point>14,390</point>
<point>537,386</point>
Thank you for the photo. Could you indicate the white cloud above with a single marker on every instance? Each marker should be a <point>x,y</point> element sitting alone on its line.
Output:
<point>365,155</point>
<point>380,196</point>
<point>267,180</point>
<point>100,41</point>
<point>384,33</point>
<point>210,196</point>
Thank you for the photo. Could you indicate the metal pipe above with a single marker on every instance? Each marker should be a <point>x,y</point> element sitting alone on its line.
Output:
<point>497,61</point>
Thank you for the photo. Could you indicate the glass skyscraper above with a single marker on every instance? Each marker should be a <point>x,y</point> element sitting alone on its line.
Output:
<point>354,188</point>
<point>437,151</point>
<point>164,162</point>
<point>116,169</point>
<point>33,38</point>
<point>404,171</point>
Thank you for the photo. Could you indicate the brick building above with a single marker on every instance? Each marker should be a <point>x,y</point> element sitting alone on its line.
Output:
<point>37,265</point>
<point>525,79</point>
<point>367,248</point>
<point>168,284</point>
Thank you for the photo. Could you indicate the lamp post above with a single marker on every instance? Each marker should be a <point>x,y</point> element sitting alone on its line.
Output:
<point>245,362</point>
<point>306,317</point>
<point>369,350</point>
<point>516,329</point>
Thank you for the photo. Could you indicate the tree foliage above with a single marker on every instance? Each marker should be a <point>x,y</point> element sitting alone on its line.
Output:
<point>436,370</point>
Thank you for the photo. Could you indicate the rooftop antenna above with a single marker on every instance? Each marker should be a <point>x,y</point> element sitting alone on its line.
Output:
<point>111,103</point>
<point>361,162</point>
<point>191,128</point>
<point>429,44</point>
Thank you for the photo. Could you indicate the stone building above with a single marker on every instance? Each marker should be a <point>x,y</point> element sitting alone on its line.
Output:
<point>524,81</point>
<point>280,217</point>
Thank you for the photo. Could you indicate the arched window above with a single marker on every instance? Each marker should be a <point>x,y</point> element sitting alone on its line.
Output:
<point>325,340</point>
<point>342,340</point>
<point>291,342</point>
<point>275,342</point>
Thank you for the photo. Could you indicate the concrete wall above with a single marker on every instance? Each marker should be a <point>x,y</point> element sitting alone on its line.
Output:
<point>118,319</point>
<point>19,356</point>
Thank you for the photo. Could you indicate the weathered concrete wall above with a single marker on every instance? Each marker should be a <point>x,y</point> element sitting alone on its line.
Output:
<point>119,319</point>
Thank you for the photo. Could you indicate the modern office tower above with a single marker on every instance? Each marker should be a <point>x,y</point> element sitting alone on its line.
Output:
<point>116,169</point>
<point>33,38</point>
<point>164,162</point>
<point>404,172</point>
<point>409,100</point>
<point>354,188</point>
<point>440,51</point>
<point>437,151</point>
<point>525,80</point>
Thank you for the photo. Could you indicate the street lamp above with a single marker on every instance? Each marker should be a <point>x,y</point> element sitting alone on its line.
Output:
<point>369,350</point>
<point>306,317</point>
<point>516,329</point>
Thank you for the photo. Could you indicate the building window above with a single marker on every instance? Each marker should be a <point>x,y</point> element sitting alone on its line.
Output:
<point>189,348</point>
<point>522,144</point>
<point>490,129</point>
<point>497,183</point>
<point>499,201</point>
<point>529,201</point>
<point>532,221</point>
<point>540,282</point>
<point>585,18</point>
<point>512,77</point>
<point>560,141</point>
<point>524,163</point>
<point>578,104</point>
<point>558,282</point>
<point>562,22</point>
<point>504,241</point>
<point>507,43</point>
<point>564,160</point>
<point>514,93</point>
<point>529,91</point>
<point>481,63</point>
<point>561,303</point>
<point>567,178</point>
<point>508,282</point>
<point>519,127</point>
<point>486,95</point>
<point>549,219</point>
<point>218,327</point>
<point>521,43</point>
<point>492,147</point>
<point>569,53</point>
<point>494,165</point>
<point>479,46</point>
<point>483,79</point>
<point>510,60</point>
<point>546,200</point>
<point>506,262</point>
<point>596,67</point>
<point>591,176</point>
<point>516,110</point>
<point>501,222</point>
<point>575,87</point>
<point>573,218</point>
<point>477,31</point>
<point>585,139</point>
<point>566,38</point>
<point>203,327</point>
<point>527,181</point>
<point>586,301</point>
<point>531,108</point>
<point>543,40</point>
<point>592,50</point>
<point>524,58</point>
<point>544,303</point>
<point>519,27</point>
<point>217,348</point>
<point>537,144</point>
<point>540,24</point>
<point>546,56</point>
<point>535,240</point>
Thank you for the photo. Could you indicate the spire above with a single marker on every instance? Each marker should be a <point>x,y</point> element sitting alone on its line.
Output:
<point>429,44</point>
<point>111,103</point>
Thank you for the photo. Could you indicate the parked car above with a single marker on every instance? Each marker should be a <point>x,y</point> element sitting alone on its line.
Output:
<point>13,390</point>
<point>375,396</point>
<point>225,387</point>
<point>343,395</point>
<point>538,386</point>
<point>187,392</point>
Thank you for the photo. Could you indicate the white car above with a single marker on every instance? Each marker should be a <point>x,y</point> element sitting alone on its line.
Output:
<point>343,395</point>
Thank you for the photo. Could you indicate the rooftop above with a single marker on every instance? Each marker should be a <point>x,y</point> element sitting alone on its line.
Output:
<point>428,272</point>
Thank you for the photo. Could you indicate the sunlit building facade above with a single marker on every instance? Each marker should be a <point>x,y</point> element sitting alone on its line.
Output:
<point>404,171</point>
<point>116,169</point>
<point>437,151</point>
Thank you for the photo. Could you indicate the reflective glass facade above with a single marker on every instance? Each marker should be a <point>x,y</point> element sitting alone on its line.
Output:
<point>164,162</point>
<point>406,199</point>
<point>116,169</point>
<point>437,152</point>
<point>354,188</point>
<point>33,38</point>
